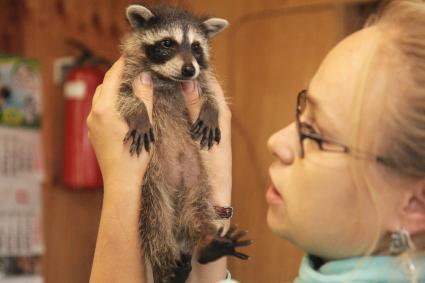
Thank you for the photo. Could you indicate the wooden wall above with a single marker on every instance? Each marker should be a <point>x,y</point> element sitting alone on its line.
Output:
<point>9,41</point>
<point>269,52</point>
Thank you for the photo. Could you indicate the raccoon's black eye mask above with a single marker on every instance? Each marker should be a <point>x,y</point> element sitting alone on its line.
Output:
<point>196,47</point>
<point>167,42</point>
<point>198,53</point>
<point>161,51</point>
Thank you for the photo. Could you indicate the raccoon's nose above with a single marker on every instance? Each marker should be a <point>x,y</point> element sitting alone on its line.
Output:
<point>188,70</point>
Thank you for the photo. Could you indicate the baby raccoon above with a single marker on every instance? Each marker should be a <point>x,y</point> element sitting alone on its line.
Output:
<point>178,219</point>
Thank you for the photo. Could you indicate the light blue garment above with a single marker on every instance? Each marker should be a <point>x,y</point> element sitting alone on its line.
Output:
<point>228,279</point>
<point>376,269</point>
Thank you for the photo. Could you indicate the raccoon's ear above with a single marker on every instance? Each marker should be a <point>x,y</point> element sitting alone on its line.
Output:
<point>138,15</point>
<point>214,25</point>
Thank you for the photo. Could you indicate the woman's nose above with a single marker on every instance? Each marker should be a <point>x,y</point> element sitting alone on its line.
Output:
<point>282,144</point>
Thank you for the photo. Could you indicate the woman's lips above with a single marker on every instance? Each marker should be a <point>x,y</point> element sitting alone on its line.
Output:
<point>273,196</point>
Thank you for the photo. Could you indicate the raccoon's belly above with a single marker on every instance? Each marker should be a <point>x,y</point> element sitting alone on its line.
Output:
<point>179,158</point>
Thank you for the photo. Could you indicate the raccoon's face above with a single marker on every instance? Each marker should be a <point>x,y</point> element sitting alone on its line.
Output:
<point>175,43</point>
<point>178,53</point>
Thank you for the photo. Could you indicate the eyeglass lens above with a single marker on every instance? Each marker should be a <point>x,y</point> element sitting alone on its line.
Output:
<point>301,105</point>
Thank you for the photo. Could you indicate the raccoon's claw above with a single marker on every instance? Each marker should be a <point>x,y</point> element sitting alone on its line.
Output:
<point>224,246</point>
<point>207,134</point>
<point>182,269</point>
<point>217,137</point>
<point>139,140</point>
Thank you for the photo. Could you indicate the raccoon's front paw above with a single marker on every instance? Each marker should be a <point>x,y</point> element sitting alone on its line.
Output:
<point>182,269</point>
<point>140,133</point>
<point>224,246</point>
<point>206,128</point>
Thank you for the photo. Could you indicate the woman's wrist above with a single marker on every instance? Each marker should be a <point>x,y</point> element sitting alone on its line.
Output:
<point>118,237</point>
<point>123,179</point>
<point>222,194</point>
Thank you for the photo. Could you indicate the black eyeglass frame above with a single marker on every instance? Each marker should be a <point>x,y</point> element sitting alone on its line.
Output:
<point>306,131</point>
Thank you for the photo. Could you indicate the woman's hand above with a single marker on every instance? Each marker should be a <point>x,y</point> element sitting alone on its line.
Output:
<point>117,257</point>
<point>123,174</point>
<point>219,168</point>
<point>219,158</point>
<point>107,130</point>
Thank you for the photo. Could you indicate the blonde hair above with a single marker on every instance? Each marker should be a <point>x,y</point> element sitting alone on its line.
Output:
<point>403,23</point>
<point>398,101</point>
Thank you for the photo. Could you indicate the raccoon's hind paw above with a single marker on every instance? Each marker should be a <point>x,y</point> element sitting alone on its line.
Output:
<point>182,270</point>
<point>140,133</point>
<point>207,132</point>
<point>224,246</point>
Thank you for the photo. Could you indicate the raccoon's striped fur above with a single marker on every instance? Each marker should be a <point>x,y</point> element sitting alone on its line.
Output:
<point>177,210</point>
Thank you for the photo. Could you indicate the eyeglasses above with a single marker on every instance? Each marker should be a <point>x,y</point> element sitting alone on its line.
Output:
<point>307,131</point>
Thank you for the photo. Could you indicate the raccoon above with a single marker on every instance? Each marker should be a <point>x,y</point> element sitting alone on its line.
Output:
<point>178,216</point>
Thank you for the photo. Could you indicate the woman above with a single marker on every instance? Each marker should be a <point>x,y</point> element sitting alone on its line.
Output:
<point>355,157</point>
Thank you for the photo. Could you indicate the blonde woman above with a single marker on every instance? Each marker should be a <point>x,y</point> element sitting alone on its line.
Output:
<point>348,183</point>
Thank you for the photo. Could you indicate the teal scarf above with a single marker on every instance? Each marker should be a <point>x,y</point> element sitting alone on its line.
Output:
<point>376,269</point>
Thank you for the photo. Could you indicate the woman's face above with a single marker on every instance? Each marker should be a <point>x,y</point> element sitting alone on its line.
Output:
<point>313,201</point>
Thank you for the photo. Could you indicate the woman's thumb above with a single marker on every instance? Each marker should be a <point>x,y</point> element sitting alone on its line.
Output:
<point>191,98</point>
<point>143,89</point>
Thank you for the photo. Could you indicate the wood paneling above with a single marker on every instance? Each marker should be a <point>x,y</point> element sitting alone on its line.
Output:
<point>71,220</point>
<point>10,27</point>
<point>269,52</point>
<point>272,57</point>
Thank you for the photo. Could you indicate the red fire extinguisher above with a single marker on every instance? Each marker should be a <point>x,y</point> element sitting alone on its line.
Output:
<point>80,167</point>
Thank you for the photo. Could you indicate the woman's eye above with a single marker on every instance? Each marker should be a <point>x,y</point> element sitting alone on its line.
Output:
<point>315,128</point>
<point>307,128</point>
<point>167,43</point>
<point>196,46</point>
<point>310,128</point>
<point>310,124</point>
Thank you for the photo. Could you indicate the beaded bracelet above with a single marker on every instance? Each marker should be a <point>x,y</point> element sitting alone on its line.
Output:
<point>224,212</point>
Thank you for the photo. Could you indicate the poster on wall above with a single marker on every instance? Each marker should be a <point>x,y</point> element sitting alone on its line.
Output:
<point>21,170</point>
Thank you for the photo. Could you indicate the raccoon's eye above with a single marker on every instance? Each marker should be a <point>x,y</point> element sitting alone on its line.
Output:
<point>167,43</point>
<point>196,46</point>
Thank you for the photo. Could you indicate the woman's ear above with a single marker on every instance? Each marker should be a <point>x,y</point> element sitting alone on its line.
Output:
<point>138,15</point>
<point>413,217</point>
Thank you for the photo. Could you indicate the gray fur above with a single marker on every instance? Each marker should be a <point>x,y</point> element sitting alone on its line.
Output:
<point>138,13</point>
<point>177,210</point>
<point>214,26</point>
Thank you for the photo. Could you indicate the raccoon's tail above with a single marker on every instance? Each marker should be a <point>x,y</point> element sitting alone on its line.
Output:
<point>158,242</point>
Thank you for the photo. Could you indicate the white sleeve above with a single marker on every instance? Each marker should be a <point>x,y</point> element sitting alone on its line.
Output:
<point>228,279</point>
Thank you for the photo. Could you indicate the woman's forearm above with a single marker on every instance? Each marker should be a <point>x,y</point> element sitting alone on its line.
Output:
<point>209,273</point>
<point>217,270</point>
<point>118,256</point>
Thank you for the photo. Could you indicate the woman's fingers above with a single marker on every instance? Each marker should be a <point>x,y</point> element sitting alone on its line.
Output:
<point>112,78</point>
<point>96,94</point>
<point>102,100</point>
<point>191,98</point>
